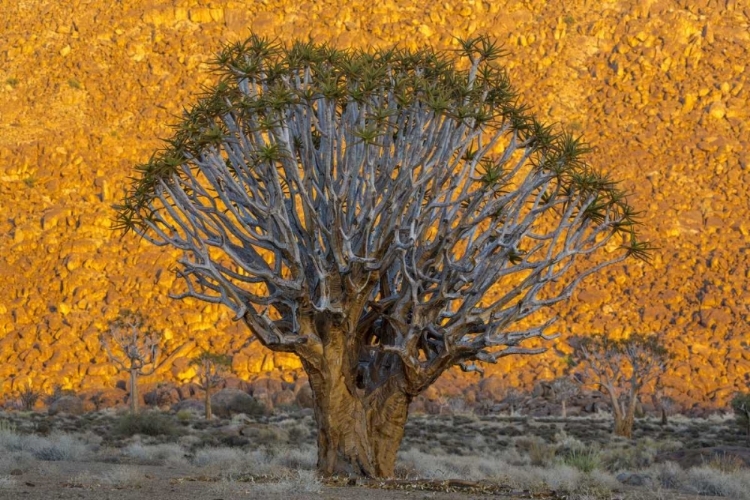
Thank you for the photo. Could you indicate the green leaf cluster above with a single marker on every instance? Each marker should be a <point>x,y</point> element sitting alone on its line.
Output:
<point>265,79</point>
<point>207,357</point>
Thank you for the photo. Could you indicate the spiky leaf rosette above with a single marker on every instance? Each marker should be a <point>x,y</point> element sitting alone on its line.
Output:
<point>406,196</point>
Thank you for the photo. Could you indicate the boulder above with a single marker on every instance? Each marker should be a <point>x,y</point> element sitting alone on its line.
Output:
<point>72,405</point>
<point>193,405</point>
<point>227,402</point>
<point>492,388</point>
<point>188,391</point>
<point>284,397</point>
<point>109,398</point>
<point>264,385</point>
<point>304,397</point>
<point>163,396</point>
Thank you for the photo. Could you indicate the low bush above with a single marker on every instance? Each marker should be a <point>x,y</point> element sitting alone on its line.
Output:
<point>54,448</point>
<point>541,453</point>
<point>630,457</point>
<point>149,423</point>
<point>157,454</point>
<point>29,397</point>
<point>584,459</point>
<point>709,481</point>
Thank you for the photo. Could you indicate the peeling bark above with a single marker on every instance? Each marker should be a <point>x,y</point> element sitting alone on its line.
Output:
<point>359,429</point>
<point>358,436</point>
<point>624,425</point>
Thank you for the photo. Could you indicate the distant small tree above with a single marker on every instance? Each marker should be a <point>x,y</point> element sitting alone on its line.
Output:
<point>513,398</point>
<point>741,407</point>
<point>211,369</point>
<point>133,348</point>
<point>57,393</point>
<point>621,367</point>
<point>97,399</point>
<point>29,397</point>
<point>564,388</point>
<point>665,404</point>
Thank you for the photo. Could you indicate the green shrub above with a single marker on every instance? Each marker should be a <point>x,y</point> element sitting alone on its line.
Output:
<point>584,459</point>
<point>149,423</point>
<point>629,457</point>
<point>184,416</point>
<point>250,407</point>
<point>6,426</point>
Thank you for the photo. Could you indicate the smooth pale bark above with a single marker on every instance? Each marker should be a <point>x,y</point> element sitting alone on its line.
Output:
<point>624,417</point>
<point>134,391</point>
<point>564,409</point>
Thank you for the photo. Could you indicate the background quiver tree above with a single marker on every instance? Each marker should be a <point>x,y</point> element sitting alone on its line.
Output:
<point>383,215</point>
<point>28,398</point>
<point>563,389</point>
<point>741,407</point>
<point>666,405</point>
<point>211,370</point>
<point>513,398</point>
<point>620,368</point>
<point>133,348</point>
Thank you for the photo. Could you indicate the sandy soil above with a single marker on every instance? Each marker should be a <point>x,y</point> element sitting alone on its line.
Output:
<point>103,481</point>
<point>100,481</point>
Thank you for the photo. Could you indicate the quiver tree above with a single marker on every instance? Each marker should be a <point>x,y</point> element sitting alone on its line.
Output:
<point>133,348</point>
<point>210,369</point>
<point>621,368</point>
<point>666,405</point>
<point>563,388</point>
<point>382,215</point>
<point>741,407</point>
<point>513,398</point>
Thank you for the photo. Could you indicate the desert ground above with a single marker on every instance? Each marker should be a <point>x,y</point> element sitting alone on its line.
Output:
<point>178,454</point>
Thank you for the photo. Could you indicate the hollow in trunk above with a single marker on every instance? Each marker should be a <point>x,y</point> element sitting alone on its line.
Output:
<point>358,434</point>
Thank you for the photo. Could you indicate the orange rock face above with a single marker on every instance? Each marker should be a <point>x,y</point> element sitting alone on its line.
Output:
<point>87,88</point>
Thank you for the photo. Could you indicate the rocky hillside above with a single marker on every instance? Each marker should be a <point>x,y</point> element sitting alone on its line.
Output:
<point>87,88</point>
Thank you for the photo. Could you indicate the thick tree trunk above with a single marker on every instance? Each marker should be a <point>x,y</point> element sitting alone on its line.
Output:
<point>624,424</point>
<point>133,391</point>
<point>624,415</point>
<point>358,434</point>
<point>624,418</point>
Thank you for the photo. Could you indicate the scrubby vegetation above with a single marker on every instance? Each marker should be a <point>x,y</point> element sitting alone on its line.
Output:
<point>152,423</point>
<point>275,453</point>
<point>741,407</point>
